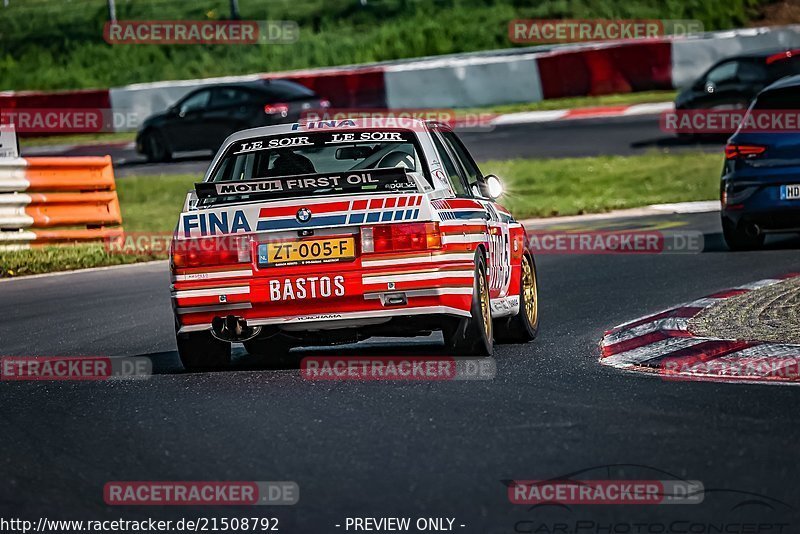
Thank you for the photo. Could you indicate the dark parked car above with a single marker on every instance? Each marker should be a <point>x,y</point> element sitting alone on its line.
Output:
<point>733,82</point>
<point>203,119</point>
<point>760,188</point>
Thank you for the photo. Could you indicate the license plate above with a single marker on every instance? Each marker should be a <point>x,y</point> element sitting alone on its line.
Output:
<point>790,192</point>
<point>307,252</point>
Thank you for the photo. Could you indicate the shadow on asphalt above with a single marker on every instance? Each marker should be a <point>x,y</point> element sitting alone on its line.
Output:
<point>142,162</point>
<point>714,242</point>
<point>674,142</point>
<point>168,362</point>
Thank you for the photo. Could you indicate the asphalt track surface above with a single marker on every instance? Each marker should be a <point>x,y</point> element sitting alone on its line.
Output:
<point>559,139</point>
<point>432,449</point>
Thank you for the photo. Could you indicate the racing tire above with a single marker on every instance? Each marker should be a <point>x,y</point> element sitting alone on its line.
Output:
<point>473,336</point>
<point>524,326</point>
<point>200,351</point>
<point>155,147</point>
<point>737,238</point>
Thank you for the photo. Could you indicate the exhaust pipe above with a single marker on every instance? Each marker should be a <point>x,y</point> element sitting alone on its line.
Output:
<point>752,230</point>
<point>233,329</point>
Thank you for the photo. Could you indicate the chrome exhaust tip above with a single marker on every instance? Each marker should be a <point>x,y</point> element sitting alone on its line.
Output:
<point>233,329</point>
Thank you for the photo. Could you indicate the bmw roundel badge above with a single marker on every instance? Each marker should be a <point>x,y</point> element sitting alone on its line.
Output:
<point>303,215</point>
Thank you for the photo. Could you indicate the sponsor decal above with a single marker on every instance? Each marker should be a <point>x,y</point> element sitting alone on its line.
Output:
<point>305,288</point>
<point>389,179</point>
<point>213,223</point>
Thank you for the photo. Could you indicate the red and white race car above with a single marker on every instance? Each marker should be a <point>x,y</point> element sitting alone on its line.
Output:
<point>333,231</point>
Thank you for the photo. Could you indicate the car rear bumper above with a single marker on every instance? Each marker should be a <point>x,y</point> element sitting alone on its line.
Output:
<point>321,301</point>
<point>754,198</point>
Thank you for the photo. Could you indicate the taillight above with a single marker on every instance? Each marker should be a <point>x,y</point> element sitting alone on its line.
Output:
<point>400,237</point>
<point>743,151</point>
<point>209,251</point>
<point>277,109</point>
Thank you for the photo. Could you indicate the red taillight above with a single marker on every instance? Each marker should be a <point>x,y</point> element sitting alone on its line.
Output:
<point>743,151</point>
<point>277,109</point>
<point>781,55</point>
<point>384,238</point>
<point>209,251</point>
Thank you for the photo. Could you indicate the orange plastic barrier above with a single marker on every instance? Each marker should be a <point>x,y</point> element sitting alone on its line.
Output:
<point>54,193</point>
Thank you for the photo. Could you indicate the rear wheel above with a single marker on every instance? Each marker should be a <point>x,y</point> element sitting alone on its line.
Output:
<point>473,336</point>
<point>738,238</point>
<point>155,147</point>
<point>523,326</point>
<point>200,351</point>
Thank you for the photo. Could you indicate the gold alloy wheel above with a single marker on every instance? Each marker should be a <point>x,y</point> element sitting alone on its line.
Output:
<point>529,289</point>
<point>483,293</point>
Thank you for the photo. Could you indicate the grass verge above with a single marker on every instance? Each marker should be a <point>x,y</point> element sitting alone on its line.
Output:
<point>572,186</point>
<point>534,188</point>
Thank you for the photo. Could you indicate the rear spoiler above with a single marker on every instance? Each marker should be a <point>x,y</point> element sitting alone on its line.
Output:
<point>388,180</point>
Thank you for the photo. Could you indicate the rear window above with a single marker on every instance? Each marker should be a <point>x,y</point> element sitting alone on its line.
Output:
<point>317,163</point>
<point>316,153</point>
<point>286,90</point>
<point>788,98</point>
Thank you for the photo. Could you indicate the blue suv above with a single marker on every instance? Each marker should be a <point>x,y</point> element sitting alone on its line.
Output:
<point>760,189</point>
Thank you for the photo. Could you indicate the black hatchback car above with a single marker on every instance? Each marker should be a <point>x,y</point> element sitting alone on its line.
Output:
<point>202,119</point>
<point>733,82</point>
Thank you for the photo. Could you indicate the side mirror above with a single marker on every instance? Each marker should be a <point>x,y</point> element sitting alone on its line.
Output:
<point>493,186</point>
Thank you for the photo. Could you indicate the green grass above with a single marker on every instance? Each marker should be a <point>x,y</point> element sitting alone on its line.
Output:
<point>534,188</point>
<point>78,139</point>
<point>149,204</point>
<point>551,187</point>
<point>58,44</point>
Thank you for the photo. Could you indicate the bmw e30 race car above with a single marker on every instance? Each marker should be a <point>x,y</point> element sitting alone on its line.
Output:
<point>330,232</point>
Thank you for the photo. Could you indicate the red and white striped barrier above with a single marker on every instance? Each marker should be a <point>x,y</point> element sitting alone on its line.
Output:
<point>463,80</point>
<point>662,343</point>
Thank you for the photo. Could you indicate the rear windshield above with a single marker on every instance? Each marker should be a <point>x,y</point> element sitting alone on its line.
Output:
<point>286,90</point>
<point>317,153</point>
<point>788,98</point>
